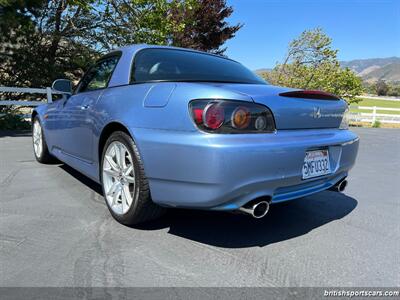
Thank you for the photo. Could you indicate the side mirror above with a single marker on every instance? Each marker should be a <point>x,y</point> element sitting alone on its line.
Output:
<point>62,85</point>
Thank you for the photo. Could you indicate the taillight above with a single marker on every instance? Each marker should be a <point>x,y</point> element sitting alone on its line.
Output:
<point>213,115</point>
<point>227,116</point>
<point>241,117</point>
<point>198,115</point>
<point>310,94</point>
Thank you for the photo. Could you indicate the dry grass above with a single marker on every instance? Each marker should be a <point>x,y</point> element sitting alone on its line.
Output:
<point>368,124</point>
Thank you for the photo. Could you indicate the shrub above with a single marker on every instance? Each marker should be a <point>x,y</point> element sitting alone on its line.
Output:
<point>376,124</point>
<point>13,122</point>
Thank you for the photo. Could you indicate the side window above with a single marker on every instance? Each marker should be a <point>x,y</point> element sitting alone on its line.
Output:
<point>98,76</point>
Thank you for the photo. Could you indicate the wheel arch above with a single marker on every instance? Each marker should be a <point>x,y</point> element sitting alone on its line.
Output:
<point>105,134</point>
<point>37,114</point>
<point>33,115</point>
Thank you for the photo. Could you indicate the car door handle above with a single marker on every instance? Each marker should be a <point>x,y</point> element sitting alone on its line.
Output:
<point>85,106</point>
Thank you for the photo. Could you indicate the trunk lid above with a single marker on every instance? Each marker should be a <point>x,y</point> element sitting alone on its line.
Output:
<point>293,113</point>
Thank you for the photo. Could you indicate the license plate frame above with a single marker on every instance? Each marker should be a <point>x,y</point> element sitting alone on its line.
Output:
<point>316,164</point>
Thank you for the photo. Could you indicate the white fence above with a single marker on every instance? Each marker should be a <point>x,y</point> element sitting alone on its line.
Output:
<point>374,115</point>
<point>47,91</point>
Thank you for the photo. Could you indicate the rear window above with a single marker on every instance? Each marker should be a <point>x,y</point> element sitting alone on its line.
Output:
<point>179,65</point>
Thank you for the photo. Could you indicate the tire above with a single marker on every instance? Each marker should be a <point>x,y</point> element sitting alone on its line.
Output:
<point>40,149</point>
<point>118,183</point>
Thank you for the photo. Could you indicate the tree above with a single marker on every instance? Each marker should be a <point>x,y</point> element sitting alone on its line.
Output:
<point>204,25</point>
<point>128,22</point>
<point>196,24</point>
<point>311,63</point>
<point>381,88</point>
<point>41,40</point>
<point>394,90</point>
<point>44,40</point>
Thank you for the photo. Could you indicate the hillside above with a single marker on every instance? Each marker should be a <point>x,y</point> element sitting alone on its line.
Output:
<point>263,70</point>
<point>374,69</point>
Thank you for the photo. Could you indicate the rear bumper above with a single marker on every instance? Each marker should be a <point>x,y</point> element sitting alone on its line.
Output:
<point>223,172</point>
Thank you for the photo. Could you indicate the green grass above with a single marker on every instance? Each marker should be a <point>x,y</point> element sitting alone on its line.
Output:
<point>378,103</point>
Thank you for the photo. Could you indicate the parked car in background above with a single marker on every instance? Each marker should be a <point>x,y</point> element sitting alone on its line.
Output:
<point>169,127</point>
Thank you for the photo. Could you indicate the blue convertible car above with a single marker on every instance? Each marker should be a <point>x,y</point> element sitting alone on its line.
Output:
<point>168,127</point>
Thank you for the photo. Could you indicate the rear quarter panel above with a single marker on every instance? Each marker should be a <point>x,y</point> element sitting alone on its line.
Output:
<point>130,106</point>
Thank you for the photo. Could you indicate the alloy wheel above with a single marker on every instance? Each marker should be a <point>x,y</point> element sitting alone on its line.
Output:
<point>37,138</point>
<point>118,177</point>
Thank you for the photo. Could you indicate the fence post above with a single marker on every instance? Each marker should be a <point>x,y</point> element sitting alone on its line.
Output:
<point>373,115</point>
<point>49,95</point>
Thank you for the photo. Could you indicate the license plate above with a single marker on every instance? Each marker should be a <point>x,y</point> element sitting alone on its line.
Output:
<point>316,163</point>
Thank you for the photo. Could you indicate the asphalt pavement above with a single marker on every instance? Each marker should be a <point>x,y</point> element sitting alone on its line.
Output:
<point>55,230</point>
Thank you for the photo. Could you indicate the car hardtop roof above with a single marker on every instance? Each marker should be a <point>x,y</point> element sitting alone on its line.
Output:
<point>134,48</point>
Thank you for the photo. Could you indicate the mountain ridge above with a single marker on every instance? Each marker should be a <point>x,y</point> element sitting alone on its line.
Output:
<point>370,69</point>
<point>374,69</point>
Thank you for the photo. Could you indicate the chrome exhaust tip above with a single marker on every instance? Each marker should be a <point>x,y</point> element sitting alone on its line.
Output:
<point>340,186</point>
<point>256,210</point>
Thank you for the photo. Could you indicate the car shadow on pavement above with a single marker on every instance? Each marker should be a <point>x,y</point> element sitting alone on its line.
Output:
<point>94,186</point>
<point>284,221</point>
<point>236,230</point>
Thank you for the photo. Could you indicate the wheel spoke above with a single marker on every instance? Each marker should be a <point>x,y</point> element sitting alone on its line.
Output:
<point>111,172</point>
<point>113,188</point>
<point>128,170</point>
<point>130,179</point>
<point>127,193</point>
<point>122,153</point>
<point>113,165</point>
<point>117,151</point>
<point>124,199</point>
<point>116,195</point>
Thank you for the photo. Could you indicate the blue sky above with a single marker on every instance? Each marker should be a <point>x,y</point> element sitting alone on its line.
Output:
<point>359,29</point>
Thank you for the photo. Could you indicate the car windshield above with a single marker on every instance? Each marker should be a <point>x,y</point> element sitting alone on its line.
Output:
<point>180,65</point>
